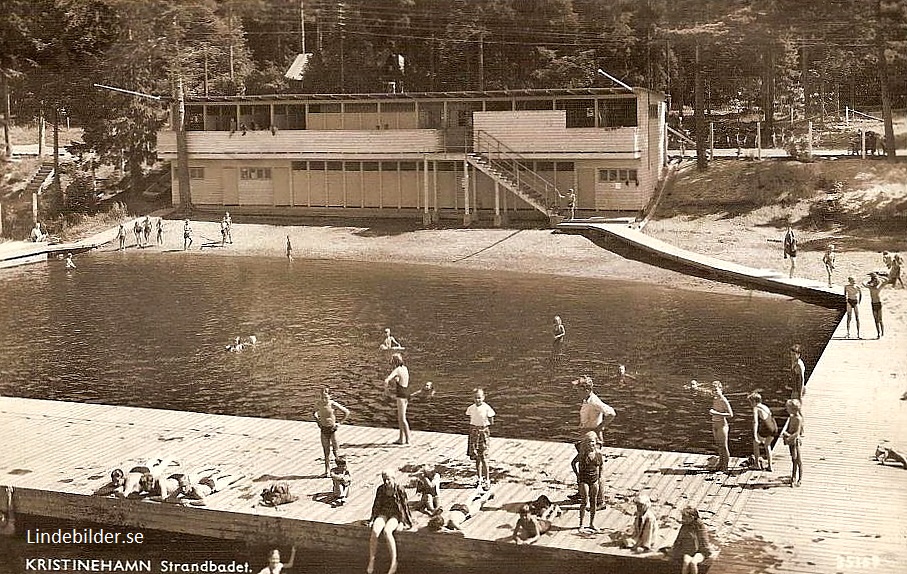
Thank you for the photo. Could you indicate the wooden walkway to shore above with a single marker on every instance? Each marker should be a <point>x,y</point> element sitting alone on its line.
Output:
<point>57,453</point>
<point>634,244</point>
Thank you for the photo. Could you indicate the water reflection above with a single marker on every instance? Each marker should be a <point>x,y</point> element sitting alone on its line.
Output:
<point>145,330</point>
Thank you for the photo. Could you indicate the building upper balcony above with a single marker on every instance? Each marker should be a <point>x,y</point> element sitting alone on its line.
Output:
<point>317,144</point>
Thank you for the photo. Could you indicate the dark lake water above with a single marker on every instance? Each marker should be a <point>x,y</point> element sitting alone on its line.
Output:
<point>149,330</point>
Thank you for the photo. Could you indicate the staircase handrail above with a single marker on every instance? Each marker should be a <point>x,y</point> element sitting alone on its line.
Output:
<point>516,166</point>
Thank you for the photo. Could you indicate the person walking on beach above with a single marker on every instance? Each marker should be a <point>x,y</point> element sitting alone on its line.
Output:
<point>894,271</point>
<point>721,411</point>
<point>793,438</point>
<point>146,230</point>
<point>160,230</point>
<point>400,377</point>
<point>797,373</point>
<point>764,430</point>
<point>137,229</point>
<point>390,512</point>
<point>790,248</point>
<point>875,285</point>
<point>121,237</point>
<point>481,417</point>
<point>829,261</point>
<point>853,295</point>
<point>187,236</point>
<point>228,228</point>
<point>289,249</point>
<point>326,416</point>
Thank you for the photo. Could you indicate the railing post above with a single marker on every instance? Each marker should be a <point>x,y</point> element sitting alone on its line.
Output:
<point>466,218</point>
<point>758,140</point>
<point>862,143</point>
<point>497,204</point>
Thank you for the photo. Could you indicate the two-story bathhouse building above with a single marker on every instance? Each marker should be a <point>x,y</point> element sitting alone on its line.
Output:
<point>493,156</point>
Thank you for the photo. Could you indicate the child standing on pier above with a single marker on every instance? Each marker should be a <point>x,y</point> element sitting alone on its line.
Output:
<point>326,417</point>
<point>793,438</point>
<point>588,468</point>
<point>481,417</point>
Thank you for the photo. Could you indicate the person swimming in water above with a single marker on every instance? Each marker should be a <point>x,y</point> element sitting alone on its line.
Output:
<point>390,343</point>
<point>70,264</point>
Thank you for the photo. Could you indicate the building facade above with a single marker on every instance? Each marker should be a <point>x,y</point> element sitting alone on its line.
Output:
<point>495,155</point>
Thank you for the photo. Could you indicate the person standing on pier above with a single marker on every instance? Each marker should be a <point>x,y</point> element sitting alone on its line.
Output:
<point>853,295</point>
<point>875,285</point>
<point>481,417</point>
<point>390,512</point>
<point>790,248</point>
<point>326,416</point>
<point>400,377</point>
<point>721,411</point>
<point>764,430</point>
<point>588,465</point>
<point>797,373</point>
<point>793,438</point>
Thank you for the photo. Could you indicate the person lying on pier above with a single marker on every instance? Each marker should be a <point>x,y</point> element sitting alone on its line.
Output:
<point>390,343</point>
<point>125,484</point>
<point>390,512</point>
<point>529,528</point>
<point>885,453</point>
<point>8,514</point>
<point>193,489</point>
<point>543,508</point>
<point>428,484</point>
<point>691,547</point>
<point>452,520</point>
<point>275,566</point>
<point>642,537</point>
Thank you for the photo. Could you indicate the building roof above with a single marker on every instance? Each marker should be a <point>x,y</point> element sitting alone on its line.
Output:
<point>473,94</point>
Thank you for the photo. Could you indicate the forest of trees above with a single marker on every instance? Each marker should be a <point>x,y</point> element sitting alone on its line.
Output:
<point>773,57</point>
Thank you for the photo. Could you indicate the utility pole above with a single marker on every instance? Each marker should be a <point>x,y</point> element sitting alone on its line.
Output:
<point>702,161</point>
<point>482,61</point>
<point>4,93</point>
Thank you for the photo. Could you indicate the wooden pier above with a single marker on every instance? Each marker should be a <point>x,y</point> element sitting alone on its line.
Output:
<point>58,453</point>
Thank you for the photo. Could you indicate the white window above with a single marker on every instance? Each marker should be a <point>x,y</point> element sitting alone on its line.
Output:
<point>196,173</point>
<point>255,173</point>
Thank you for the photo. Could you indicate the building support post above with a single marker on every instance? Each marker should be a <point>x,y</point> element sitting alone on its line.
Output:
<point>34,207</point>
<point>809,137</point>
<point>466,218</point>
<point>711,140</point>
<point>426,216</point>
<point>862,143</point>
<point>497,204</point>
<point>436,213</point>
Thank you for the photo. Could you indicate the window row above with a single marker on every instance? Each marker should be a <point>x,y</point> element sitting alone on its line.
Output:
<point>560,166</point>
<point>255,173</point>
<point>618,176</point>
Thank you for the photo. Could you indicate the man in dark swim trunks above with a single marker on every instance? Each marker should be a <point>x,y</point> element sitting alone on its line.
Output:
<point>853,295</point>
<point>874,285</point>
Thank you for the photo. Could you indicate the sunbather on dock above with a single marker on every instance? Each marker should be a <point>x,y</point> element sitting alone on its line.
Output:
<point>125,484</point>
<point>452,520</point>
<point>196,488</point>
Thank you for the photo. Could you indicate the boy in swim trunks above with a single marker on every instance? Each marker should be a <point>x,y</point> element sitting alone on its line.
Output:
<point>793,438</point>
<point>853,295</point>
<point>481,417</point>
<point>327,422</point>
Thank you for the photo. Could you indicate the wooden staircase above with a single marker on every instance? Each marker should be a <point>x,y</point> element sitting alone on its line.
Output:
<point>39,181</point>
<point>514,172</point>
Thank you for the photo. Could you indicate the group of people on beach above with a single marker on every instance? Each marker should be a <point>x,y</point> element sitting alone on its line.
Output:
<point>142,229</point>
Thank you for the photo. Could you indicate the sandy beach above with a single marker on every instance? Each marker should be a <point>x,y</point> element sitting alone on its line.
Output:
<point>521,250</point>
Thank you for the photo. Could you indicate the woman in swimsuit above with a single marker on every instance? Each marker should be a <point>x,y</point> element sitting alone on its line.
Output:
<point>400,377</point>
<point>853,295</point>
<point>390,513</point>
<point>764,429</point>
<point>326,417</point>
<point>721,411</point>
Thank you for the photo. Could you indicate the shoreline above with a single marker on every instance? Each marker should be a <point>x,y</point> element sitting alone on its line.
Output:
<point>531,251</point>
